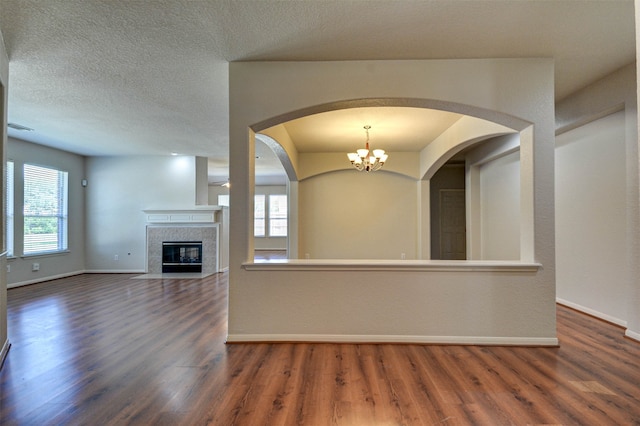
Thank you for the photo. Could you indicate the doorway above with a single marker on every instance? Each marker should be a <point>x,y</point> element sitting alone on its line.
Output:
<point>453,235</point>
<point>448,213</point>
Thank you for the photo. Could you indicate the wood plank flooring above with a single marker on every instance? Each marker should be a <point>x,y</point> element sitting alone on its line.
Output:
<point>111,350</point>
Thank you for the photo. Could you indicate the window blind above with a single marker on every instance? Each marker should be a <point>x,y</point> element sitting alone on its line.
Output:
<point>45,209</point>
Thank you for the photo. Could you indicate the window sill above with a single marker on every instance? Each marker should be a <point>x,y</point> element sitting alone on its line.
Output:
<point>45,254</point>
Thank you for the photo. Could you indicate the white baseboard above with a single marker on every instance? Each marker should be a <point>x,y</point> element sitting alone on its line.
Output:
<point>436,340</point>
<point>632,335</point>
<point>71,274</point>
<point>593,312</point>
<point>4,351</point>
<point>43,279</point>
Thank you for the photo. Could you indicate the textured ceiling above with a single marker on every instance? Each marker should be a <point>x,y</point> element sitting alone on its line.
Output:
<point>150,77</point>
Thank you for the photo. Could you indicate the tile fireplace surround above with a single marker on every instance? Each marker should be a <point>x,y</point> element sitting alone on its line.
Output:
<point>159,230</point>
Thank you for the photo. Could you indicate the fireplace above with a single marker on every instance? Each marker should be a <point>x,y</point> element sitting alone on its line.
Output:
<point>204,233</point>
<point>181,256</point>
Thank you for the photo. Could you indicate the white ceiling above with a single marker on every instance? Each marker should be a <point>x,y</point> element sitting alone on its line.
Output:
<point>118,77</point>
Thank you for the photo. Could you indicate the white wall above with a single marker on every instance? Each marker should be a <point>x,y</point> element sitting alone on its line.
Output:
<point>4,81</point>
<point>495,180</point>
<point>633,165</point>
<point>119,189</point>
<point>58,264</point>
<point>358,215</point>
<point>601,119</point>
<point>500,208</point>
<point>591,217</point>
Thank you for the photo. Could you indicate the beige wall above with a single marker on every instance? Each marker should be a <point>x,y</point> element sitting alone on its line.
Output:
<point>352,215</point>
<point>402,300</point>
<point>500,208</point>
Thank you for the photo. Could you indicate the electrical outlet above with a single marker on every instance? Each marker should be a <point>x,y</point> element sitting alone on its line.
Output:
<point>35,267</point>
<point>403,256</point>
<point>115,257</point>
<point>8,268</point>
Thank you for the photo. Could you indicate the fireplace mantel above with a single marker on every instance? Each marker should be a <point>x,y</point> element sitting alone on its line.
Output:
<point>202,214</point>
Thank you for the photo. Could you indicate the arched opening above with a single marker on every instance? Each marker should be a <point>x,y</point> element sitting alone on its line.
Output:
<point>388,214</point>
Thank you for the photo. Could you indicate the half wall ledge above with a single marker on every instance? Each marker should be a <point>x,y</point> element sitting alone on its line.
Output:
<point>391,265</point>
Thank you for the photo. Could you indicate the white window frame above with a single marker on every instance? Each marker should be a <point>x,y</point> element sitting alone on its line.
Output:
<point>51,179</point>
<point>278,213</point>
<point>259,216</point>
<point>10,208</point>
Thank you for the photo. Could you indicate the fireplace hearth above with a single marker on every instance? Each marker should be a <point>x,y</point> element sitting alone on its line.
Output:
<point>181,256</point>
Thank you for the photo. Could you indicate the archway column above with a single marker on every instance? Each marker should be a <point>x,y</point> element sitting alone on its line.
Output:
<point>424,219</point>
<point>292,222</point>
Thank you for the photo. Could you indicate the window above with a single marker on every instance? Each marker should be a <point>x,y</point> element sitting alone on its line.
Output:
<point>278,215</point>
<point>10,208</point>
<point>45,209</point>
<point>259,218</point>
<point>270,214</point>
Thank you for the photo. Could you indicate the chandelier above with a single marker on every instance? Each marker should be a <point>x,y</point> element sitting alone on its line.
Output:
<point>364,159</point>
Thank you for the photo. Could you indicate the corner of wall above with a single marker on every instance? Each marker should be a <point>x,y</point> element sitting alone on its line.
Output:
<point>4,82</point>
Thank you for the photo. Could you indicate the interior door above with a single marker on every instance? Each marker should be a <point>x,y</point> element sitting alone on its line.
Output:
<point>453,235</point>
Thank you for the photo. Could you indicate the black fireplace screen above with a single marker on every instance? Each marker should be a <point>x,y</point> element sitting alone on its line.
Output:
<point>182,256</point>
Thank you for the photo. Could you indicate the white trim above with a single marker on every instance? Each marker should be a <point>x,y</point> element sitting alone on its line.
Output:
<point>437,340</point>
<point>43,254</point>
<point>71,274</point>
<point>632,335</point>
<point>43,279</point>
<point>199,214</point>
<point>390,265</point>
<point>4,351</point>
<point>592,312</point>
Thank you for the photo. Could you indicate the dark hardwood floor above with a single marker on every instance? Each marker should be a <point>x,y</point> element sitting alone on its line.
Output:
<point>108,349</point>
